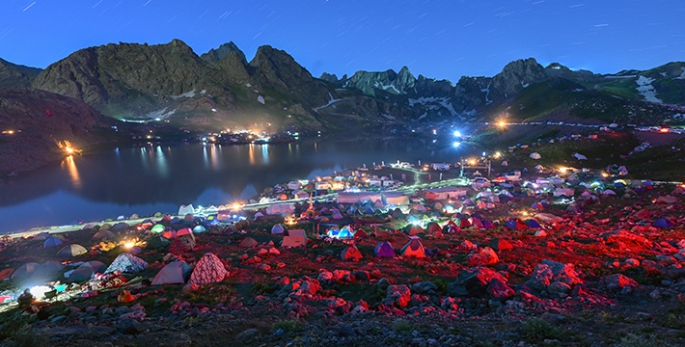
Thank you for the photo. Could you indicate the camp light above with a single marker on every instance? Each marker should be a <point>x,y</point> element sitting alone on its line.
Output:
<point>38,292</point>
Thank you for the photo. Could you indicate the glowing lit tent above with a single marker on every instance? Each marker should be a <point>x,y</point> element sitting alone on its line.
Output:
<point>384,250</point>
<point>281,209</point>
<point>351,253</point>
<point>295,238</point>
<point>47,271</point>
<point>52,242</point>
<point>185,232</point>
<point>158,228</point>
<point>198,229</point>
<point>25,270</point>
<point>72,251</point>
<point>535,155</point>
<point>86,271</point>
<point>209,269</point>
<point>103,235</point>
<point>177,272</point>
<point>127,262</point>
<point>413,248</point>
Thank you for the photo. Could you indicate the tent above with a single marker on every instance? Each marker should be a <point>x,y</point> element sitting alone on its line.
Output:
<point>463,223</point>
<point>185,209</point>
<point>158,228</point>
<point>127,262</point>
<point>185,232</point>
<point>342,233</point>
<point>414,230</point>
<point>102,235</point>
<point>515,223</point>
<point>71,251</point>
<point>86,271</point>
<point>396,198</point>
<point>176,272</point>
<point>209,269</point>
<point>295,238</point>
<point>248,242</point>
<point>413,248</point>
<point>535,155</point>
<point>47,271</point>
<point>533,224</point>
<point>663,223</point>
<point>52,242</point>
<point>434,229</point>
<point>120,226</point>
<point>25,270</point>
<point>351,253</point>
<point>158,242</point>
<point>277,229</point>
<point>384,250</point>
<point>199,229</point>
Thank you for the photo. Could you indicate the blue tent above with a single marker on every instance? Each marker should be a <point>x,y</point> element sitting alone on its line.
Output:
<point>384,250</point>
<point>277,229</point>
<point>199,229</point>
<point>345,233</point>
<point>368,210</point>
<point>515,223</point>
<point>533,224</point>
<point>52,242</point>
<point>663,223</point>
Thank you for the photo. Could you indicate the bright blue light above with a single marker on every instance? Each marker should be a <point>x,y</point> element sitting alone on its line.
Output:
<point>457,133</point>
<point>456,144</point>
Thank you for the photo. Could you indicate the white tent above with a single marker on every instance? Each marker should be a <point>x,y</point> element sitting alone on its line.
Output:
<point>535,155</point>
<point>185,209</point>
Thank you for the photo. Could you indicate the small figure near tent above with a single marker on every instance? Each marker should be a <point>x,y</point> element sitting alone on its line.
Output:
<point>25,299</point>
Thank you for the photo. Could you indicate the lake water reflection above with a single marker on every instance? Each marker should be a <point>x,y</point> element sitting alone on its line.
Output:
<point>151,178</point>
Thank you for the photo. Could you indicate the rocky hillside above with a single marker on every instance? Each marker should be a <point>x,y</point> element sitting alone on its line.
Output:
<point>16,76</point>
<point>35,122</point>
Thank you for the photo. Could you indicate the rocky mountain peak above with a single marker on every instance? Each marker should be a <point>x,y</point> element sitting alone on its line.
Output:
<point>517,75</point>
<point>214,55</point>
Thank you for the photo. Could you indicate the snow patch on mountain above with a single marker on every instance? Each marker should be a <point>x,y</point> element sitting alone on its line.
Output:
<point>330,102</point>
<point>388,116</point>
<point>486,90</point>
<point>385,87</point>
<point>261,99</point>
<point>161,114</point>
<point>646,89</point>
<point>434,103</point>
<point>189,94</point>
<point>682,75</point>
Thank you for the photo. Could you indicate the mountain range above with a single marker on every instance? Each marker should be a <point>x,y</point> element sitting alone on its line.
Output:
<point>80,97</point>
<point>221,89</point>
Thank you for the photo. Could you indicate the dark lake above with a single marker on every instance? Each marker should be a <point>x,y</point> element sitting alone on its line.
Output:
<point>159,177</point>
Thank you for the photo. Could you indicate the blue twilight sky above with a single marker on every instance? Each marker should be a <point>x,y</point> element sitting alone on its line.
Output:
<point>441,39</point>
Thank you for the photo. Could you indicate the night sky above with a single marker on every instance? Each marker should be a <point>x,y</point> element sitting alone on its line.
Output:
<point>439,39</point>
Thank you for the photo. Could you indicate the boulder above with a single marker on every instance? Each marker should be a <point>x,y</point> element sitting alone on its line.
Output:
<point>400,294</point>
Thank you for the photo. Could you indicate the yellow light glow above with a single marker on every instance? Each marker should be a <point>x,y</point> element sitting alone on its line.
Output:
<point>129,245</point>
<point>501,124</point>
<point>8,132</point>
<point>604,174</point>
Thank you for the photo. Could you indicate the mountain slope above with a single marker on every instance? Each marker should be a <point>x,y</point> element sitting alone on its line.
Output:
<point>14,76</point>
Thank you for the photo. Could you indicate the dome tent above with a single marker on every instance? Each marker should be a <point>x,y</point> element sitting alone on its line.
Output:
<point>177,272</point>
<point>25,270</point>
<point>384,250</point>
<point>209,269</point>
<point>351,253</point>
<point>52,241</point>
<point>413,248</point>
<point>102,235</point>
<point>86,271</point>
<point>127,262</point>
<point>72,251</point>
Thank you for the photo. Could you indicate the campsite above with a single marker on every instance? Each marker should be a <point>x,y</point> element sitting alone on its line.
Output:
<point>539,254</point>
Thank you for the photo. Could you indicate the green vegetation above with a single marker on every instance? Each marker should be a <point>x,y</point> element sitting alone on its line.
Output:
<point>536,330</point>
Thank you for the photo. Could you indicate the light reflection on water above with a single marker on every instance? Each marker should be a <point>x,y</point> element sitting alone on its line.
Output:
<point>152,178</point>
